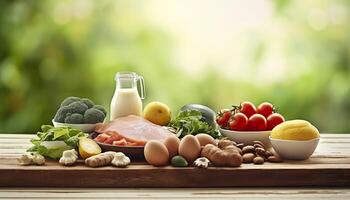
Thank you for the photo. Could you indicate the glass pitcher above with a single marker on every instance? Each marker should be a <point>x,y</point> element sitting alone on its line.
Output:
<point>126,99</point>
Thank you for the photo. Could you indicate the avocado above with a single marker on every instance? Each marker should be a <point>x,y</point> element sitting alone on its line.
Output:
<point>207,113</point>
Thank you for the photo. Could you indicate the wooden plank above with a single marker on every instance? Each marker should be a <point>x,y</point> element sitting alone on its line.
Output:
<point>329,166</point>
<point>292,174</point>
<point>193,193</point>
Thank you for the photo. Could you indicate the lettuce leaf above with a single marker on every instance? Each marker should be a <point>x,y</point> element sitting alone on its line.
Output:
<point>52,149</point>
<point>52,141</point>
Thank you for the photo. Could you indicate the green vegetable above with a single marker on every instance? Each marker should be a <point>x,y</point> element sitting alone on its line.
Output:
<point>179,161</point>
<point>191,122</point>
<point>73,110</point>
<point>69,100</point>
<point>74,118</point>
<point>77,107</point>
<point>88,102</point>
<point>101,108</point>
<point>53,149</point>
<point>207,113</point>
<point>62,113</point>
<point>52,141</point>
<point>93,116</point>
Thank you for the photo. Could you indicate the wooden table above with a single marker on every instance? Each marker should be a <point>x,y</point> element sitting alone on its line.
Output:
<point>329,168</point>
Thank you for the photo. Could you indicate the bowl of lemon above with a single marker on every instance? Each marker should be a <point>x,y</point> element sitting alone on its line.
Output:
<point>295,139</point>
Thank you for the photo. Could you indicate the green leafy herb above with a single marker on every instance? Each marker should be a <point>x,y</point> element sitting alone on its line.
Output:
<point>52,141</point>
<point>192,122</point>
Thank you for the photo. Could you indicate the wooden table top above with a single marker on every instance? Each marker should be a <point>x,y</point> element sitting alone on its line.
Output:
<point>331,161</point>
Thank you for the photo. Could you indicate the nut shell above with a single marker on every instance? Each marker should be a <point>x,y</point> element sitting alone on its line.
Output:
<point>258,160</point>
<point>248,149</point>
<point>248,157</point>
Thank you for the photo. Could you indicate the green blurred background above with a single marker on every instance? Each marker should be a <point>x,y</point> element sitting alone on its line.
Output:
<point>295,54</point>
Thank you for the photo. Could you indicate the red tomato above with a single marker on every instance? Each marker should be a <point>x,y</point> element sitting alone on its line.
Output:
<point>239,122</point>
<point>265,109</point>
<point>273,120</point>
<point>257,122</point>
<point>223,117</point>
<point>247,108</point>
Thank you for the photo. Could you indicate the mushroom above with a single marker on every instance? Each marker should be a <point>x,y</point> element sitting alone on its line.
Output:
<point>69,157</point>
<point>25,159</point>
<point>202,162</point>
<point>120,160</point>
<point>38,159</point>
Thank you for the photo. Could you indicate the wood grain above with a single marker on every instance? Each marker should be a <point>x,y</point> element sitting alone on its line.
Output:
<point>329,166</point>
<point>185,193</point>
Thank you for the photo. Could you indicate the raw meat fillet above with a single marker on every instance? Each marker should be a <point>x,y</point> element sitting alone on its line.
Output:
<point>130,131</point>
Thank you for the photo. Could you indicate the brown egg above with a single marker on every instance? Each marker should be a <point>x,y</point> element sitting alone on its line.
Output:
<point>172,144</point>
<point>189,148</point>
<point>156,153</point>
<point>205,139</point>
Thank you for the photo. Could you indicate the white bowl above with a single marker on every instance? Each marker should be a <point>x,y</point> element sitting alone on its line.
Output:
<point>87,128</point>
<point>293,149</point>
<point>247,137</point>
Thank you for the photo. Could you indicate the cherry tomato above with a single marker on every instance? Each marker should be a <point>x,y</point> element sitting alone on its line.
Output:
<point>265,109</point>
<point>223,117</point>
<point>257,122</point>
<point>273,120</point>
<point>239,122</point>
<point>247,108</point>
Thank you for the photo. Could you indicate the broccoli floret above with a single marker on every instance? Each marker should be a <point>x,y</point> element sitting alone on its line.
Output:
<point>74,118</point>
<point>93,116</point>
<point>88,102</point>
<point>78,107</point>
<point>101,108</point>
<point>62,113</point>
<point>69,100</point>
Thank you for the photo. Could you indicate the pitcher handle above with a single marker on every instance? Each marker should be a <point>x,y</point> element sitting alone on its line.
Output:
<point>142,87</point>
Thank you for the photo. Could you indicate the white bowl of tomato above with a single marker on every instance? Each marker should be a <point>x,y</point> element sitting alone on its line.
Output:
<point>246,123</point>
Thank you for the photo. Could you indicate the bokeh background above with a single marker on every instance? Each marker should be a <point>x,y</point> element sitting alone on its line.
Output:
<point>295,54</point>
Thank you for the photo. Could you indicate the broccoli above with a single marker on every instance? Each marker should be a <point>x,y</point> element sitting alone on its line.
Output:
<point>78,107</point>
<point>93,116</point>
<point>61,114</point>
<point>101,108</point>
<point>88,102</point>
<point>74,118</point>
<point>69,100</point>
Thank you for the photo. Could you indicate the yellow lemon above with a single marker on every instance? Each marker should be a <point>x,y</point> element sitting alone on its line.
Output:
<point>295,130</point>
<point>157,113</point>
<point>88,147</point>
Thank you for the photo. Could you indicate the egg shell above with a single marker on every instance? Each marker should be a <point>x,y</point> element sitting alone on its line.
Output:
<point>156,153</point>
<point>205,139</point>
<point>172,144</point>
<point>189,148</point>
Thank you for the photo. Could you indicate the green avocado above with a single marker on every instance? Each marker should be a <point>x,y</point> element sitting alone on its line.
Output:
<point>207,113</point>
<point>179,161</point>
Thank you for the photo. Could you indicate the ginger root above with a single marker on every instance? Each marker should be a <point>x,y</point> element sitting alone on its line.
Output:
<point>101,159</point>
<point>226,156</point>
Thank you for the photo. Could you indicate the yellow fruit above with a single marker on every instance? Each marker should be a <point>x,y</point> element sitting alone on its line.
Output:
<point>157,113</point>
<point>295,130</point>
<point>88,147</point>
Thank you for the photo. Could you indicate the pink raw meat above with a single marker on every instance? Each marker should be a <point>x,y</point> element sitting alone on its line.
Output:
<point>134,128</point>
